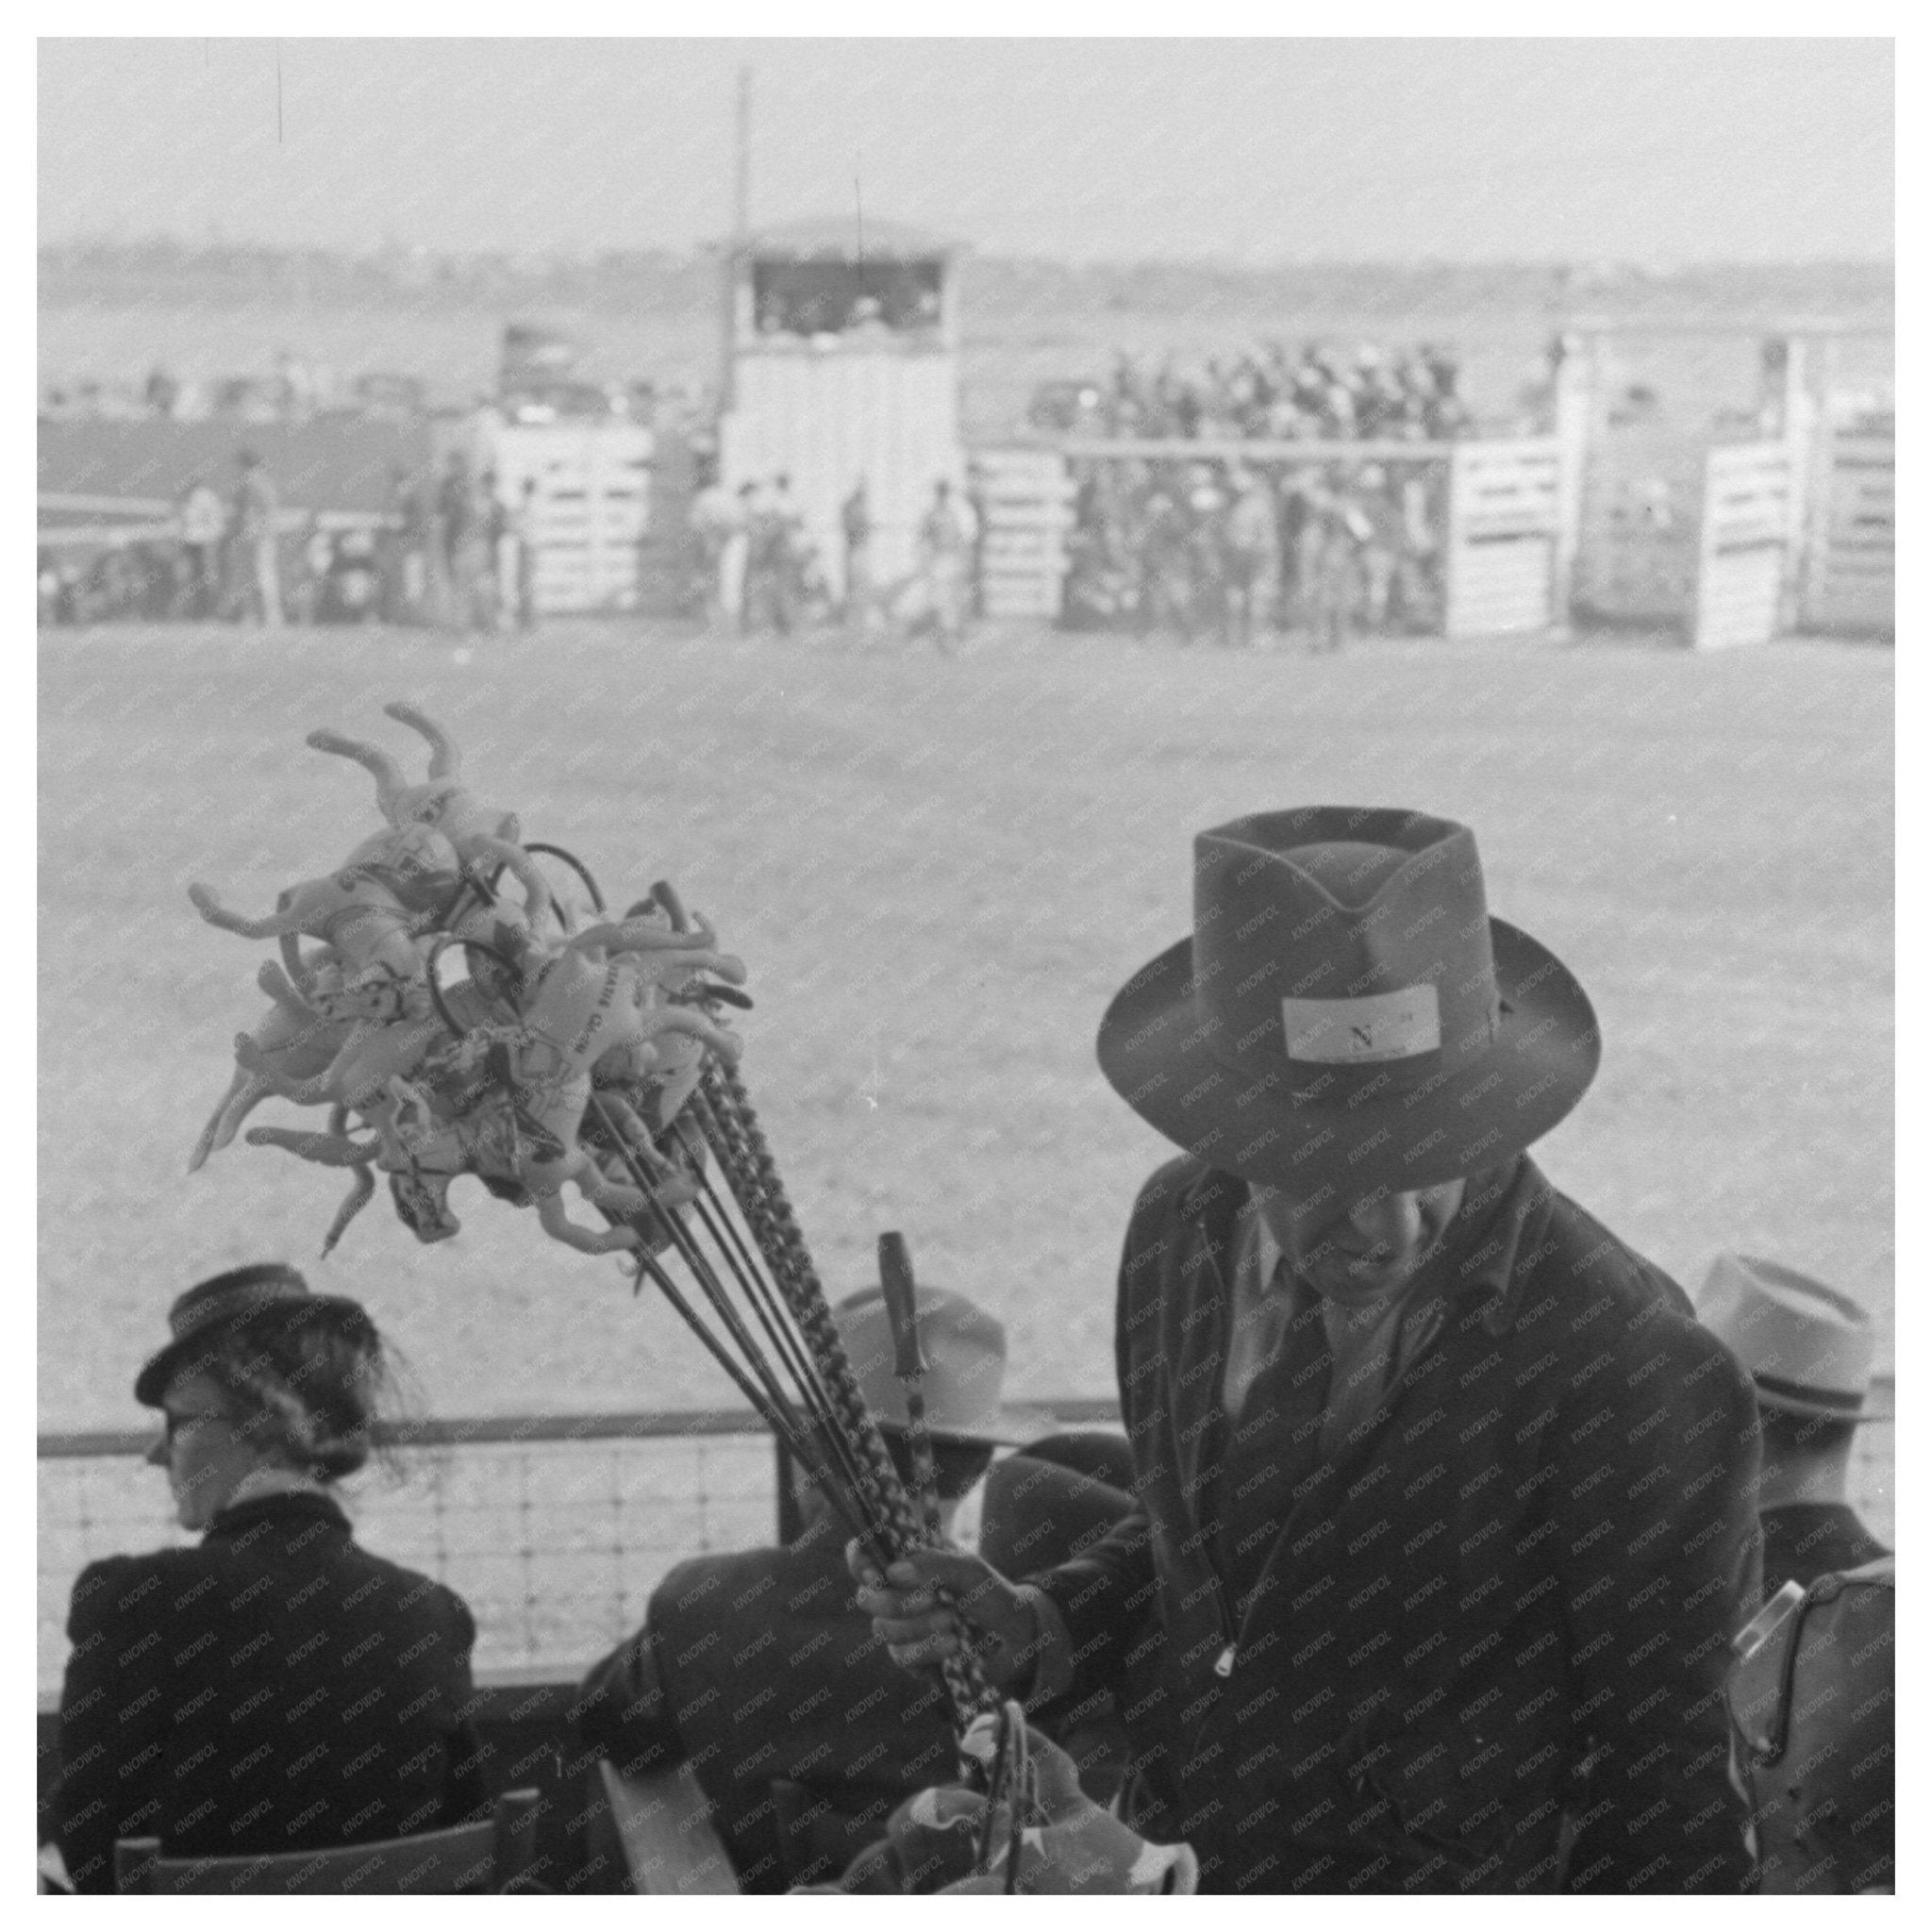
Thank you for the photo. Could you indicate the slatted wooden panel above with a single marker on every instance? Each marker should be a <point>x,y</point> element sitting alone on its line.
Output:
<point>590,513</point>
<point>1026,501</point>
<point>1502,537</point>
<point>1851,582</point>
<point>1746,528</point>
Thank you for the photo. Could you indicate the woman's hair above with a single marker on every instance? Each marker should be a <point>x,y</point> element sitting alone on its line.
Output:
<point>306,1387</point>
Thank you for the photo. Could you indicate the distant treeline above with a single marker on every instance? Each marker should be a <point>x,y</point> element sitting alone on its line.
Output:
<point>630,281</point>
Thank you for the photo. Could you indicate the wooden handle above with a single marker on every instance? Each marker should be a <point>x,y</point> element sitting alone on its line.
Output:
<point>896,1278</point>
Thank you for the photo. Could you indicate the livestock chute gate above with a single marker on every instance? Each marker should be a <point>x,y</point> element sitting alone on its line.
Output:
<point>1504,510</point>
<point>1730,486</point>
<point>1849,582</point>
<point>1744,543</point>
<point>1024,501</point>
<point>589,513</point>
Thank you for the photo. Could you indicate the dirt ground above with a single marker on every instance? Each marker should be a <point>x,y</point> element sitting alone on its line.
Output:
<point>937,872</point>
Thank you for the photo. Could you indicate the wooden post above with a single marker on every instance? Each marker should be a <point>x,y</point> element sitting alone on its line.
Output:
<point>1575,412</point>
<point>1799,421</point>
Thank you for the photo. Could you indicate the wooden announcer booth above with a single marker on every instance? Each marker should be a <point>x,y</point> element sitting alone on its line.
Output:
<point>841,364</point>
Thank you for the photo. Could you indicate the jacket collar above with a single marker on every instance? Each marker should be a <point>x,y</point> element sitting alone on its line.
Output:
<point>290,1506</point>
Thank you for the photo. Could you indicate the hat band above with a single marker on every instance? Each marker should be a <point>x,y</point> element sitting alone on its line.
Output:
<point>1365,1030</point>
<point>236,1304</point>
<point>1804,1391</point>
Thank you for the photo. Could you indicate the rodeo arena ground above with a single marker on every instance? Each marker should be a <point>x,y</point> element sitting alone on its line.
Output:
<point>1181,1110</point>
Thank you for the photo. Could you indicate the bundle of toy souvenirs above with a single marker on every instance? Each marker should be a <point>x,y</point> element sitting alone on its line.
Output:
<point>454,1015</point>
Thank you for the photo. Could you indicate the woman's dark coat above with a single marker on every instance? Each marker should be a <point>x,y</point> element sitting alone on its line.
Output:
<point>274,1688</point>
<point>1534,1556</point>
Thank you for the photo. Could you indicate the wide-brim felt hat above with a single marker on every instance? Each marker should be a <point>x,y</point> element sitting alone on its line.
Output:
<point>213,1309</point>
<point>965,1354</point>
<point>1346,1018</point>
<point>1807,1348</point>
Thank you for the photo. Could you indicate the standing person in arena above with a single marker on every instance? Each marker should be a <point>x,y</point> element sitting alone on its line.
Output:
<point>855,529</point>
<point>204,526</point>
<point>275,1688</point>
<point>716,517</point>
<point>1444,1497</point>
<point>790,549</point>
<point>519,573</point>
<point>1166,593</point>
<point>255,519</point>
<point>1253,558</point>
<point>945,545</point>
<point>1333,538</point>
<point>456,503</point>
<point>1807,1350</point>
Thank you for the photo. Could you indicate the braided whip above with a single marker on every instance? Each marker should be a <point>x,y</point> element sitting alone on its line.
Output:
<point>724,1114</point>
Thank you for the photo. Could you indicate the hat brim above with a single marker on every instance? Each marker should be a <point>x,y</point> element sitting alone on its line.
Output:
<point>1159,1057</point>
<point>1797,1407</point>
<point>999,1434</point>
<point>167,1362</point>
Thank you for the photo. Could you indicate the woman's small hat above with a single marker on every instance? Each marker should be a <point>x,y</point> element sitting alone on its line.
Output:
<point>214,1308</point>
<point>965,1351</point>
<point>1808,1348</point>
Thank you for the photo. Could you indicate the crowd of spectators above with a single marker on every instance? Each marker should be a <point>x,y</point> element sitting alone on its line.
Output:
<point>1269,393</point>
<point>1234,552</point>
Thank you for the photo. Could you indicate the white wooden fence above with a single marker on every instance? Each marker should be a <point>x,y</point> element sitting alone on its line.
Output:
<point>1499,546</point>
<point>1745,533</point>
<point>1848,582</point>
<point>590,510</point>
<point>1026,501</point>
<point>1504,512</point>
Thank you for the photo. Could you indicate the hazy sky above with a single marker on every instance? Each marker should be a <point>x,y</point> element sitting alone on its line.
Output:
<point>1652,150</point>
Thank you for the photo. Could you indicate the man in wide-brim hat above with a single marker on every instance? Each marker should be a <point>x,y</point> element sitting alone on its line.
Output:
<point>1442,1492</point>
<point>753,1668</point>
<point>1809,1350</point>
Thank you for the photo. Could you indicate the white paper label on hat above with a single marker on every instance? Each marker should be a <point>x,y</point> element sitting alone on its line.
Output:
<point>1376,1026</point>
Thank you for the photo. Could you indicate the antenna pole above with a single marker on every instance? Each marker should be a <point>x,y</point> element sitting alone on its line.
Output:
<point>740,212</point>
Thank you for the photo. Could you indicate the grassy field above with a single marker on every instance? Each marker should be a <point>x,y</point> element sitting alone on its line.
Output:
<point>937,872</point>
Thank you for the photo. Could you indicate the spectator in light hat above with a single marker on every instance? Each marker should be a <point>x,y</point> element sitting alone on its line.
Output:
<point>756,1668</point>
<point>1808,1349</point>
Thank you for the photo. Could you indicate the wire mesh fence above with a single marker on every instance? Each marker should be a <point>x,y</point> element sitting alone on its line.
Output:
<point>555,1529</point>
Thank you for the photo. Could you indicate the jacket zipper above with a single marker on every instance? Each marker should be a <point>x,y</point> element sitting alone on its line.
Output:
<point>1224,1664</point>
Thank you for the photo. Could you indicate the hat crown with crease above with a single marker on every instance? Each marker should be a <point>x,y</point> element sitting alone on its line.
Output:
<point>1808,1348</point>
<point>1346,1018</point>
<point>965,1352</point>
<point>1313,960</point>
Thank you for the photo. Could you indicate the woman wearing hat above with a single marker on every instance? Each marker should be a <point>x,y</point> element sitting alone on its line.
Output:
<point>275,1688</point>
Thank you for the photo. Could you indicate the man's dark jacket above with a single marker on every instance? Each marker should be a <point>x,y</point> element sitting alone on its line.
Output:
<point>274,1688</point>
<point>1534,1552</point>
<point>760,1671</point>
